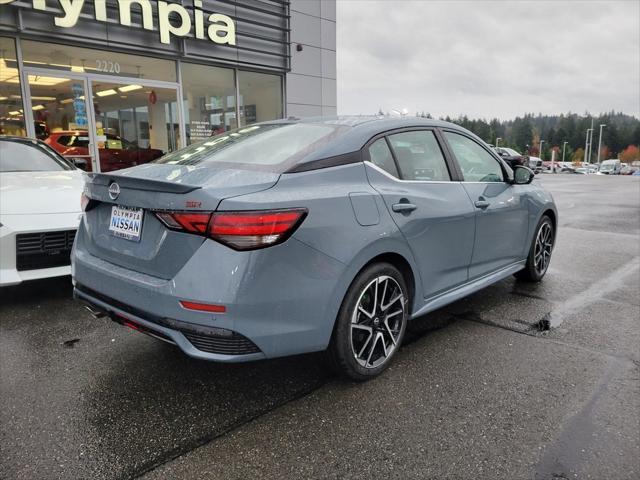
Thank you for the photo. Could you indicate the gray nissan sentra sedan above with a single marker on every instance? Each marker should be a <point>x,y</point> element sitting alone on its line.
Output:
<point>298,236</point>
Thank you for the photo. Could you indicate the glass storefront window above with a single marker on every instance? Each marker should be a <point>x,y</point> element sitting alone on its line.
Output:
<point>89,60</point>
<point>134,124</point>
<point>209,100</point>
<point>260,97</point>
<point>11,109</point>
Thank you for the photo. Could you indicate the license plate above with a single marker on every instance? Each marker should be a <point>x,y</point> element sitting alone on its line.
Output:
<point>126,222</point>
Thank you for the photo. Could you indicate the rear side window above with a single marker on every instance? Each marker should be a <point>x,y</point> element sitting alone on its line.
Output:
<point>381,156</point>
<point>29,157</point>
<point>270,147</point>
<point>476,163</point>
<point>419,156</point>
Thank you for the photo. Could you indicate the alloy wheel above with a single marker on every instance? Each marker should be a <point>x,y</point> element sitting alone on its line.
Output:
<point>377,322</point>
<point>543,248</point>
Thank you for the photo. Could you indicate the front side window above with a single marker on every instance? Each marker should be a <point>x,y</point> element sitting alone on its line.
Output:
<point>381,156</point>
<point>419,156</point>
<point>476,163</point>
<point>29,157</point>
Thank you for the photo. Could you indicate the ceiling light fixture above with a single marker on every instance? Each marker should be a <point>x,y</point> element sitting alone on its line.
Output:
<point>129,88</point>
<point>106,93</point>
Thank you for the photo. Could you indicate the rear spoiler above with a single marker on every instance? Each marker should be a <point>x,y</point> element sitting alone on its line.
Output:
<point>133,183</point>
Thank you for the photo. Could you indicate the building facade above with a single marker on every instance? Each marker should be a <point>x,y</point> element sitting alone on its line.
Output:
<point>122,76</point>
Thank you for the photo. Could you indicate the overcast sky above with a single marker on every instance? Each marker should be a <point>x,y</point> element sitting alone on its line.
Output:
<point>488,58</point>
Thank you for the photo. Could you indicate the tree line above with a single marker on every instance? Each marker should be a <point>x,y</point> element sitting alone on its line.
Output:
<point>620,137</point>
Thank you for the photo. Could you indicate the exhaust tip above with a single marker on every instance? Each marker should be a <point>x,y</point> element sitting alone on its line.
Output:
<point>95,313</point>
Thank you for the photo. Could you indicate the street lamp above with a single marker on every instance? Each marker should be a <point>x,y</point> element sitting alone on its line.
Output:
<point>564,146</point>
<point>498,141</point>
<point>600,141</point>
<point>541,142</point>
<point>586,146</point>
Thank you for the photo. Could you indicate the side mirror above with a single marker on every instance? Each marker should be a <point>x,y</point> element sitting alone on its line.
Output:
<point>522,175</point>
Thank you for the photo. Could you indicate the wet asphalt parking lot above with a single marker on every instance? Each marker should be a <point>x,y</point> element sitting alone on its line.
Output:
<point>478,391</point>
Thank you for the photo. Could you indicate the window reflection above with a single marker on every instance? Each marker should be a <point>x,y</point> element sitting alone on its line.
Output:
<point>209,101</point>
<point>11,109</point>
<point>260,97</point>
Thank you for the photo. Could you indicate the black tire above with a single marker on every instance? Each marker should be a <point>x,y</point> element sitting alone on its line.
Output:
<point>386,326</point>
<point>533,270</point>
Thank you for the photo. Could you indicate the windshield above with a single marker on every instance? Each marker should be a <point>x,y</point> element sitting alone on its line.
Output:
<point>30,156</point>
<point>271,147</point>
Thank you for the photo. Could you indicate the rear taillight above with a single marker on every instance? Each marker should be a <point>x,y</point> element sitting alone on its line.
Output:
<point>256,229</point>
<point>192,222</point>
<point>84,201</point>
<point>243,230</point>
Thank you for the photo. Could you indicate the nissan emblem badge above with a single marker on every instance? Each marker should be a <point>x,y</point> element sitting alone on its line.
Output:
<point>114,191</point>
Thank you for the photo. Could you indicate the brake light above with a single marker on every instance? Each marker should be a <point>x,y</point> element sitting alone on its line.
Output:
<point>244,230</point>
<point>250,230</point>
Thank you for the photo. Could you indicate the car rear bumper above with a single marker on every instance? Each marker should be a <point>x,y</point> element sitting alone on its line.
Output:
<point>214,344</point>
<point>281,299</point>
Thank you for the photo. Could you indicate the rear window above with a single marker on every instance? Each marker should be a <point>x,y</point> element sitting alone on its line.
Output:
<point>30,156</point>
<point>270,147</point>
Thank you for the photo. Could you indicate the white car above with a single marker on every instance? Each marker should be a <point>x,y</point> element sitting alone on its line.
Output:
<point>39,210</point>
<point>610,167</point>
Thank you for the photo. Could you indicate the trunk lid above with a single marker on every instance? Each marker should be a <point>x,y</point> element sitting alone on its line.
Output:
<point>161,252</point>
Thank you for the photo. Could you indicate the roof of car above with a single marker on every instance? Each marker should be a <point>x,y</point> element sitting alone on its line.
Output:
<point>383,122</point>
<point>360,129</point>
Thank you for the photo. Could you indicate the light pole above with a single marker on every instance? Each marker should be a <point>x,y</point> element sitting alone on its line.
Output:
<point>586,146</point>
<point>600,142</point>
<point>564,146</point>
<point>498,141</point>
<point>590,141</point>
<point>541,142</point>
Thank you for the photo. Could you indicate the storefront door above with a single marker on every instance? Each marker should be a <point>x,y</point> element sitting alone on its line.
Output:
<point>128,122</point>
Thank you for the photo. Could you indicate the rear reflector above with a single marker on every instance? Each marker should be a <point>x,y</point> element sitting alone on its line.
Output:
<point>203,307</point>
<point>242,230</point>
<point>131,325</point>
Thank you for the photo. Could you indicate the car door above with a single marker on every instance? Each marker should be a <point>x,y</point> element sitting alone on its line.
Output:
<point>501,208</point>
<point>433,212</point>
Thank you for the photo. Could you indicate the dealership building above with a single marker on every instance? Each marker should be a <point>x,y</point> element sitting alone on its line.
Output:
<point>160,74</point>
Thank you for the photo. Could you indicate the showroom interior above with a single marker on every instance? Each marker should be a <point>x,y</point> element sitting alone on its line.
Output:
<point>159,83</point>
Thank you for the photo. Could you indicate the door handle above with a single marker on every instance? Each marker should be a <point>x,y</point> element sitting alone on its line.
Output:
<point>403,207</point>
<point>482,204</point>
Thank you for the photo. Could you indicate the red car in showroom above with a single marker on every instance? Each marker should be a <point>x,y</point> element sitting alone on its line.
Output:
<point>117,153</point>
